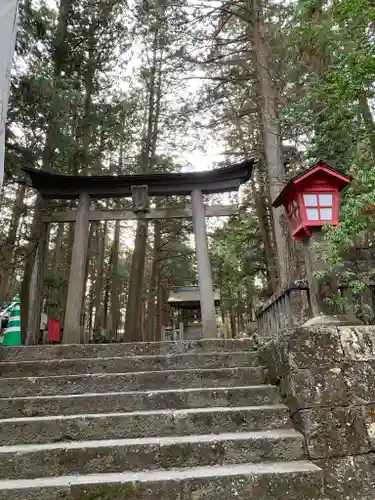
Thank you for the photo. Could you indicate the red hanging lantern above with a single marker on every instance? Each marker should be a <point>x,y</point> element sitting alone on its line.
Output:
<point>311,199</point>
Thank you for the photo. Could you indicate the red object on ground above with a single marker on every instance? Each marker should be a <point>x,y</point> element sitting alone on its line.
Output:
<point>54,326</point>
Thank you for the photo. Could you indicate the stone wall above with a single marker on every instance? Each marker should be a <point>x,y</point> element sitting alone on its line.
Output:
<point>327,378</point>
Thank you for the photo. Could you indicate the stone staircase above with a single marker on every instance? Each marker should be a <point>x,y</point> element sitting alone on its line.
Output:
<point>148,421</point>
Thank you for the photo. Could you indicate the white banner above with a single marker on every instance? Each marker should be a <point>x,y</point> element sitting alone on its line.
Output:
<point>8,31</point>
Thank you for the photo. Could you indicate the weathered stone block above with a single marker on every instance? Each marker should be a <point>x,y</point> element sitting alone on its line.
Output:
<point>315,387</point>
<point>349,478</point>
<point>327,376</point>
<point>358,343</point>
<point>37,494</point>
<point>333,432</point>
<point>319,366</point>
<point>359,378</point>
<point>272,356</point>
<point>266,355</point>
<point>302,348</point>
<point>299,306</point>
<point>369,412</point>
<point>308,347</point>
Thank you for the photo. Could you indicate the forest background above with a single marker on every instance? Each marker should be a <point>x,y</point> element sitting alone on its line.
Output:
<point>114,86</point>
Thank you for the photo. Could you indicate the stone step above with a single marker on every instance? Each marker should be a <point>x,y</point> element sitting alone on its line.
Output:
<point>264,481</point>
<point>66,351</point>
<point>139,400</point>
<point>99,383</point>
<point>126,364</point>
<point>104,456</point>
<point>140,424</point>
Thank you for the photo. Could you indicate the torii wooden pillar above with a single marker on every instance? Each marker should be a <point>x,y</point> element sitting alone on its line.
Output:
<point>206,288</point>
<point>72,322</point>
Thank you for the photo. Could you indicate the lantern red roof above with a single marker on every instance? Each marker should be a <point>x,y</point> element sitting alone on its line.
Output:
<point>311,199</point>
<point>319,167</point>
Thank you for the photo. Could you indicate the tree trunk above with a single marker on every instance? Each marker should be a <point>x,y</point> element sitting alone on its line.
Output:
<point>115,289</point>
<point>30,253</point>
<point>133,310</point>
<point>266,234</point>
<point>99,282</point>
<point>85,293</point>
<point>232,317</point>
<point>7,264</point>
<point>240,313</point>
<point>158,312</point>
<point>143,318</point>
<point>271,134</point>
<point>59,58</point>
<point>36,291</point>
<point>105,304</point>
<point>88,78</point>
<point>262,205</point>
<point>151,302</point>
<point>91,314</point>
<point>134,304</point>
<point>368,121</point>
<point>54,295</point>
<point>222,312</point>
<point>164,307</point>
<point>66,262</point>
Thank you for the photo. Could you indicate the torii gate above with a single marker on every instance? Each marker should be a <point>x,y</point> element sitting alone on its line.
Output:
<point>139,187</point>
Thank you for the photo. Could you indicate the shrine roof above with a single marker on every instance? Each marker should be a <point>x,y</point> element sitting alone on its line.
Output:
<point>220,180</point>
<point>320,167</point>
<point>188,297</point>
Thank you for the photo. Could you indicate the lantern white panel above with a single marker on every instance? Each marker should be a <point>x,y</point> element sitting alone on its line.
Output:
<point>326,213</point>
<point>326,200</point>
<point>311,200</point>
<point>312,213</point>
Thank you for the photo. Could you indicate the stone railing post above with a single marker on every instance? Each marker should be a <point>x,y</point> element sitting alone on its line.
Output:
<point>322,287</point>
